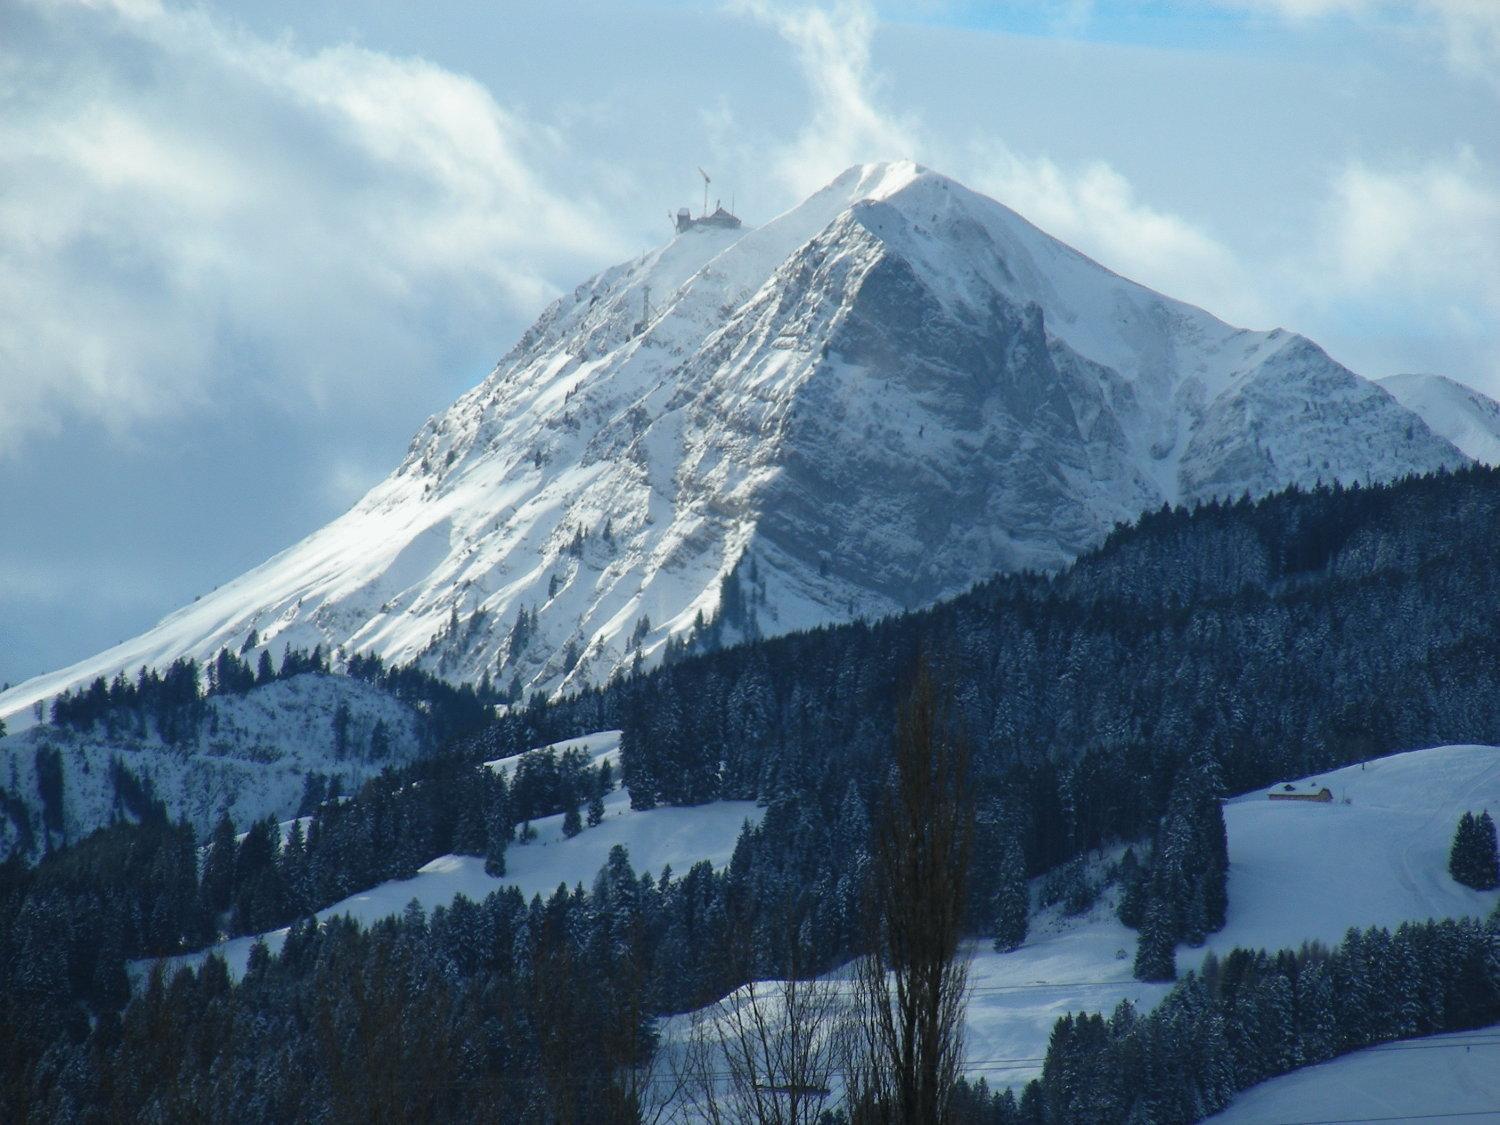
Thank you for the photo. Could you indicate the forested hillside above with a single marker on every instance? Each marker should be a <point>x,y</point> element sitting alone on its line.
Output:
<point>1276,638</point>
<point>1195,654</point>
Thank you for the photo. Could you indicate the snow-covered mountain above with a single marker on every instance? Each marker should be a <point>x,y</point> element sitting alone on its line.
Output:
<point>1468,419</point>
<point>885,394</point>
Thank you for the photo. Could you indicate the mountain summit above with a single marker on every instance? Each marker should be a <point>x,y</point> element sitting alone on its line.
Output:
<point>885,394</point>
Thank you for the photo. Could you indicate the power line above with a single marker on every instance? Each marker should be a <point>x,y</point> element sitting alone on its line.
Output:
<point>1493,1110</point>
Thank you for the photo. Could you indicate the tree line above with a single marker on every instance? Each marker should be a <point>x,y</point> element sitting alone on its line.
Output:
<point>1254,1015</point>
<point>1197,653</point>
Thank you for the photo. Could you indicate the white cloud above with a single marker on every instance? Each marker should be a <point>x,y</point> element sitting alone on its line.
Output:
<point>187,203</point>
<point>846,125</point>
<point>1419,248</point>
<point>1436,226</point>
<point>1092,207</point>
<point>1095,209</point>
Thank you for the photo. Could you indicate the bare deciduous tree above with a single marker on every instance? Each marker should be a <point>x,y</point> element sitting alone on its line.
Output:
<point>912,985</point>
<point>768,1053</point>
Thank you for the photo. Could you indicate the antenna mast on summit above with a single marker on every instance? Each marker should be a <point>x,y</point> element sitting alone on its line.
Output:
<point>706,182</point>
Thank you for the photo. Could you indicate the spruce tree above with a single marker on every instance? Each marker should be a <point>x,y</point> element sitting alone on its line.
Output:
<point>1486,862</point>
<point>1462,855</point>
<point>596,810</point>
<point>1156,950</point>
<point>572,822</point>
<point>1012,899</point>
<point>217,885</point>
<point>1133,879</point>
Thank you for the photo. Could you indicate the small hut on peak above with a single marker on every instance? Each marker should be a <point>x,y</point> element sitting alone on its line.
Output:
<point>720,218</point>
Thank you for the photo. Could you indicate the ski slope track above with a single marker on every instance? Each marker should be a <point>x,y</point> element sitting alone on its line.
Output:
<point>882,396</point>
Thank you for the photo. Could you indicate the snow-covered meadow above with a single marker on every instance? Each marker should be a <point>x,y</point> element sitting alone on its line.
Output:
<point>1442,1077</point>
<point>1377,855</point>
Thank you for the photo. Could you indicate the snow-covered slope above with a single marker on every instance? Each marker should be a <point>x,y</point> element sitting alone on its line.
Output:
<point>250,756</point>
<point>1297,872</point>
<point>654,838</point>
<point>1468,419</point>
<point>878,398</point>
<point>1452,1077</point>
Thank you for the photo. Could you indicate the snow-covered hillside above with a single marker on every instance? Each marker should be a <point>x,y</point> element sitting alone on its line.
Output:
<point>1297,872</point>
<point>1453,1077</point>
<point>655,838</point>
<point>1375,856</point>
<point>889,392</point>
<point>1468,419</point>
<point>251,756</point>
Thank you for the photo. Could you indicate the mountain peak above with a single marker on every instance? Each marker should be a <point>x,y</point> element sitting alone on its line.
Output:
<point>879,397</point>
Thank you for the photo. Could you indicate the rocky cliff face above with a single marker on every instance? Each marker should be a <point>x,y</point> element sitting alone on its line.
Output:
<point>877,399</point>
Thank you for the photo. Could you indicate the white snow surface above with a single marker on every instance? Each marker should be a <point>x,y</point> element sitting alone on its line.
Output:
<point>886,394</point>
<point>600,747</point>
<point>1442,1077</point>
<point>1468,419</point>
<point>654,838</point>
<point>1298,872</point>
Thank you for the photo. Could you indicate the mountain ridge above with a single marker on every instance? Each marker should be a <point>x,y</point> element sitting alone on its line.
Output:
<point>1464,416</point>
<point>873,401</point>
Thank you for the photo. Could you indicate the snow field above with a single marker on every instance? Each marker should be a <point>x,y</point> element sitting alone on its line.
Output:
<point>1454,1077</point>
<point>1298,872</point>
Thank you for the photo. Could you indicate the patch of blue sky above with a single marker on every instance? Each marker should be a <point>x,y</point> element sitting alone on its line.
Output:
<point>1168,24</point>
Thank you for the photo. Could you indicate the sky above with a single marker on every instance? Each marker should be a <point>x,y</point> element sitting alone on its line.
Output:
<point>247,249</point>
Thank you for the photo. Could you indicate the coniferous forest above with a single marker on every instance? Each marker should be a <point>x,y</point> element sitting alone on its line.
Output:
<point>1195,655</point>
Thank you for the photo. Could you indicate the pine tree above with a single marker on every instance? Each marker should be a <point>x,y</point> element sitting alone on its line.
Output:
<point>1133,878</point>
<point>596,810</point>
<point>1462,856</point>
<point>572,822</point>
<point>341,719</point>
<point>380,742</point>
<point>1214,885</point>
<point>498,825</point>
<point>1486,861</point>
<point>217,885</point>
<point>1156,952</point>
